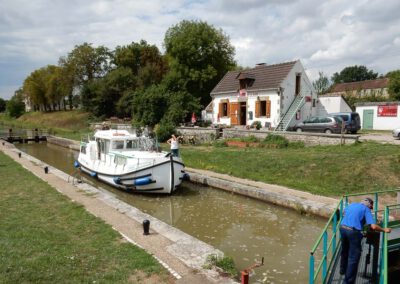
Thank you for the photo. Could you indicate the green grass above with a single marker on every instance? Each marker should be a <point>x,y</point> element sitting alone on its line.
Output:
<point>324,170</point>
<point>46,238</point>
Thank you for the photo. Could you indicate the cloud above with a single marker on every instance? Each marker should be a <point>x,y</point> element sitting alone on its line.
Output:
<point>325,35</point>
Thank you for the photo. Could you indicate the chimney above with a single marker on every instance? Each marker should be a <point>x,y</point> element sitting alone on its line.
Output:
<point>261,64</point>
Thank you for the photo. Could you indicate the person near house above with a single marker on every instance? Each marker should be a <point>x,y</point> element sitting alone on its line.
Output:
<point>356,216</point>
<point>173,141</point>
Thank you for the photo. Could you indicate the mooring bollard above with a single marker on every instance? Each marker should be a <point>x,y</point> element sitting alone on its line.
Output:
<point>146,227</point>
<point>19,154</point>
<point>46,170</point>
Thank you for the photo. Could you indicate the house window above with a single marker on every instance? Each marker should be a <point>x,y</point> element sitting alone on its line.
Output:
<point>224,108</point>
<point>298,86</point>
<point>263,108</point>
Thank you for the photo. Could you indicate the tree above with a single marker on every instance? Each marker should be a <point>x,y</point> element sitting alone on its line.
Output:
<point>15,106</point>
<point>354,74</point>
<point>2,105</point>
<point>322,84</point>
<point>200,55</point>
<point>394,84</point>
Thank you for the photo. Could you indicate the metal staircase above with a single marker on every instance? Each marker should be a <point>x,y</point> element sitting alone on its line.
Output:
<point>297,104</point>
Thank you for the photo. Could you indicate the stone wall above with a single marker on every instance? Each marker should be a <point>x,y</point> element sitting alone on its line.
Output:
<point>63,142</point>
<point>200,134</point>
<point>309,139</point>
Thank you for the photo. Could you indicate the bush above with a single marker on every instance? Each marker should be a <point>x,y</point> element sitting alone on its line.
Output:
<point>226,263</point>
<point>256,125</point>
<point>164,130</point>
<point>279,140</point>
<point>219,143</point>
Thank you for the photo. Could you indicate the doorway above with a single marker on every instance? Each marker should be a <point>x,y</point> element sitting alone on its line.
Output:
<point>368,119</point>
<point>243,112</point>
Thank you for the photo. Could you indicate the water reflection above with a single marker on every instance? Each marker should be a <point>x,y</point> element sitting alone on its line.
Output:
<point>241,227</point>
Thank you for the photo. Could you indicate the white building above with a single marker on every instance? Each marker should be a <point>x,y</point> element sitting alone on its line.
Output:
<point>332,103</point>
<point>276,95</point>
<point>379,115</point>
<point>376,87</point>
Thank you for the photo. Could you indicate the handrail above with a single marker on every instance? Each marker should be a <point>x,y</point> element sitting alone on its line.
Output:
<point>331,242</point>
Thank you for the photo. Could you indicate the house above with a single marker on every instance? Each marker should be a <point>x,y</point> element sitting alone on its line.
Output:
<point>379,115</point>
<point>277,96</point>
<point>332,103</point>
<point>377,87</point>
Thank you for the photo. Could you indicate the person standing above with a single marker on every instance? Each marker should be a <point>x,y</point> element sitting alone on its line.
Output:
<point>356,215</point>
<point>173,141</point>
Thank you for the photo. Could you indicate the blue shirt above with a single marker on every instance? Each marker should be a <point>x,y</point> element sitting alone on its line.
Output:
<point>356,215</point>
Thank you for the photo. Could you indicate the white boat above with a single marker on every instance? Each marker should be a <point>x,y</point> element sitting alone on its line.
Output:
<point>130,162</point>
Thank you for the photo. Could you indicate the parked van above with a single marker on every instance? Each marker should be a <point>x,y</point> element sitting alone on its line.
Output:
<point>352,120</point>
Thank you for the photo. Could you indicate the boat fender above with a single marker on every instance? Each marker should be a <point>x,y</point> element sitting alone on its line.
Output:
<point>93,174</point>
<point>142,181</point>
<point>117,180</point>
<point>186,176</point>
<point>76,164</point>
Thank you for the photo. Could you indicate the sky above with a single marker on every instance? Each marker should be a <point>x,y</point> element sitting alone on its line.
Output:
<point>325,35</point>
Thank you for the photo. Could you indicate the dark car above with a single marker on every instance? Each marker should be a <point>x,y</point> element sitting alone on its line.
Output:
<point>351,119</point>
<point>326,124</point>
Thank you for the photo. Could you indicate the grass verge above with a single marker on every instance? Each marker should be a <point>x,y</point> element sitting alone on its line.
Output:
<point>324,170</point>
<point>46,238</point>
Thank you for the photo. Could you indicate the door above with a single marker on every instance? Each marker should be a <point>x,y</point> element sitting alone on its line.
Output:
<point>234,113</point>
<point>243,113</point>
<point>368,119</point>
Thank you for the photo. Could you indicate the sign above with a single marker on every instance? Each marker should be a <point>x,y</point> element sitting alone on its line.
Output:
<point>242,93</point>
<point>387,111</point>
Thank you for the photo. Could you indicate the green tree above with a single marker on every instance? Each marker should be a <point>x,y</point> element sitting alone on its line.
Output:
<point>2,105</point>
<point>394,85</point>
<point>354,74</point>
<point>199,55</point>
<point>322,84</point>
<point>15,107</point>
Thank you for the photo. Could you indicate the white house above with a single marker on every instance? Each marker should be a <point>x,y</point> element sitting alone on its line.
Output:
<point>379,115</point>
<point>331,104</point>
<point>276,95</point>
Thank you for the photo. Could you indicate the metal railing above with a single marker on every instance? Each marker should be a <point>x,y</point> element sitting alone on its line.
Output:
<point>326,248</point>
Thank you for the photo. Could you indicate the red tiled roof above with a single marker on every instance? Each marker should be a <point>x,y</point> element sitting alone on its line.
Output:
<point>265,77</point>
<point>361,85</point>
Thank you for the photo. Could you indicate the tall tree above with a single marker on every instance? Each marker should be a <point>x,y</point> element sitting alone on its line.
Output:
<point>322,84</point>
<point>200,55</point>
<point>15,107</point>
<point>354,74</point>
<point>394,84</point>
<point>2,105</point>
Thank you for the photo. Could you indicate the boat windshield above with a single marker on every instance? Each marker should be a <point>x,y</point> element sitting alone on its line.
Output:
<point>138,144</point>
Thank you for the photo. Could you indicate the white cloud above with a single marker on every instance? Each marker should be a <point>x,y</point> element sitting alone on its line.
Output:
<point>325,35</point>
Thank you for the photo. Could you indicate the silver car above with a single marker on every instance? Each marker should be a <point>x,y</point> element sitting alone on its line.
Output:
<point>327,124</point>
<point>396,132</point>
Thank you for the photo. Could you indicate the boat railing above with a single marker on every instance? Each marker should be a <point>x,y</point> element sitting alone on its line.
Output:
<point>326,248</point>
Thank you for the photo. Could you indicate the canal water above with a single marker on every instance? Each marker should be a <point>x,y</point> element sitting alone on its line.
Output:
<point>241,227</point>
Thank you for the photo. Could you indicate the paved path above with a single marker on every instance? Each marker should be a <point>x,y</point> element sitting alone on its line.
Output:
<point>384,138</point>
<point>180,253</point>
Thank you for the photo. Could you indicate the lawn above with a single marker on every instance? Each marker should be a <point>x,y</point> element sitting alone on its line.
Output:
<point>46,238</point>
<point>324,170</point>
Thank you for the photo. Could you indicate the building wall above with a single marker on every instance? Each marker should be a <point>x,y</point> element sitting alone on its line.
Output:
<point>331,104</point>
<point>379,122</point>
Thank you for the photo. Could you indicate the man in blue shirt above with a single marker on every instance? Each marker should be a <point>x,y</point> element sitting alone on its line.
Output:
<point>356,215</point>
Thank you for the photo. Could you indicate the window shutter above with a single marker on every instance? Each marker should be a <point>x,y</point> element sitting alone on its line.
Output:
<point>268,107</point>
<point>228,108</point>
<point>220,109</point>
<point>257,110</point>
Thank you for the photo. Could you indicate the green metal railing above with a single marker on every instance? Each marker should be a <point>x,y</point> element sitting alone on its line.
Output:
<point>328,243</point>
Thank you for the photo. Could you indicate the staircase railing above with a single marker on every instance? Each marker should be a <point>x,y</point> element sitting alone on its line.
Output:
<point>325,250</point>
<point>296,104</point>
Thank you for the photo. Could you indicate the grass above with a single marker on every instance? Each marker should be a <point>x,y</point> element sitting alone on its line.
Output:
<point>68,124</point>
<point>324,170</point>
<point>46,238</point>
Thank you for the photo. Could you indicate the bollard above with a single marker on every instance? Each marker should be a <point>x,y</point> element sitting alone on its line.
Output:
<point>245,277</point>
<point>46,170</point>
<point>146,227</point>
<point>19,154</point>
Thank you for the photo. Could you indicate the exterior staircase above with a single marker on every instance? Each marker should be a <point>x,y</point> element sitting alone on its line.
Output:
<point>297,104</point>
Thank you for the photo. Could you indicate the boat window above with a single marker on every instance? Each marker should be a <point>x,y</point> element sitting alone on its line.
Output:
<point>118,144</point>
<point>102,145</point>
<point>106,146</point>
<point>131,144</point>
<point>83,149</point>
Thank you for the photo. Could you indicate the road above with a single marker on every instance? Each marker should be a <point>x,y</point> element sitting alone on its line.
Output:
<point>385,138</point>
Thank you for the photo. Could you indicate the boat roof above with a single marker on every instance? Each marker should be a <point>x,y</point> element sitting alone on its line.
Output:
<point>114,134</point>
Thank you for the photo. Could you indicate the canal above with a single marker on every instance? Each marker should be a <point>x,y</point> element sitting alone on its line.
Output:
<point>241,227</point>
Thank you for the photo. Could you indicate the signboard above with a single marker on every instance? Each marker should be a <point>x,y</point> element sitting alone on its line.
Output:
<point>242,93</point>
<point>387,111</point>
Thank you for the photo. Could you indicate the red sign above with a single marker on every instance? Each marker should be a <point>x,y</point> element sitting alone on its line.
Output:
<point>242,93</point>
<point>390,111</point>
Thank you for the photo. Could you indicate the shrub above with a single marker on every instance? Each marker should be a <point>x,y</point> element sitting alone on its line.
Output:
<point>256,125</point>
<point>226,263</point>
<point>164,130</point>
<point>279,140</point>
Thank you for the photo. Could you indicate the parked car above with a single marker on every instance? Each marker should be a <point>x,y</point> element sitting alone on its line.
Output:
<point>327,124</point>
<point>351,119</point>
<point>396,132</point>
